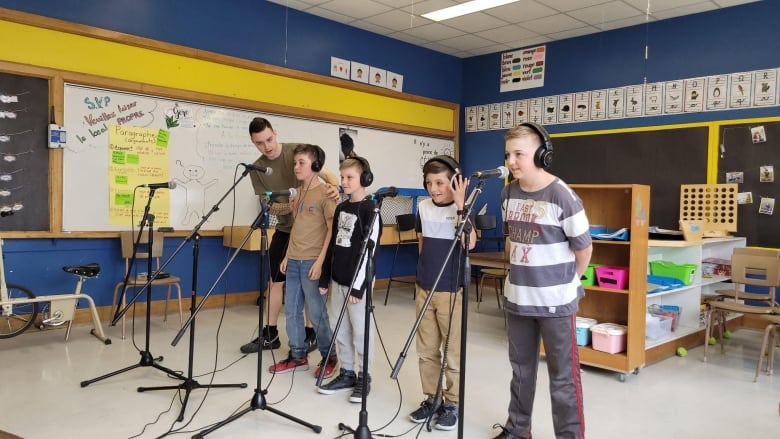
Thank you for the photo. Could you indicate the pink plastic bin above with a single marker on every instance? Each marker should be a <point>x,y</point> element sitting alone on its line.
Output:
<point>609,276</point>
<point>609,337</point>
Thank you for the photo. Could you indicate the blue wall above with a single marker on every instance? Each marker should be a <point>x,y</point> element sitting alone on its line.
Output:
<point>735,39</point>
<point>740,38</point>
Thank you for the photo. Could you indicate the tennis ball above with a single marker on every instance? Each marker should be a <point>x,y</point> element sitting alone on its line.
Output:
<point>712,341</point>
<point>682,352</point>
<point>727,334</point>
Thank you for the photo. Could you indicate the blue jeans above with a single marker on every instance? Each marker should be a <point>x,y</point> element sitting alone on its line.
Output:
<point>299,289</point>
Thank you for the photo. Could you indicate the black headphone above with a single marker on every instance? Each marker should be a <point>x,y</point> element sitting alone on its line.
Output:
<point>544,153</point>
<point>448,161</point>
<point>319,161</point>
<point>366,177</point>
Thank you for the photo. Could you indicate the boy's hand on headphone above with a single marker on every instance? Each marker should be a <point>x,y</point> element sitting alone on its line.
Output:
<point>460,185</point>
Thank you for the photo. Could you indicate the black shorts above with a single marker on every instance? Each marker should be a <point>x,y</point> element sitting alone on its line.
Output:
<point>276,252</point>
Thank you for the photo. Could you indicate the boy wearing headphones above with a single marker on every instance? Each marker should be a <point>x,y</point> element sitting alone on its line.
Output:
<point>351,224</point>
<point>302,264</point>
<point>550,247</point>
<point>438,336</point>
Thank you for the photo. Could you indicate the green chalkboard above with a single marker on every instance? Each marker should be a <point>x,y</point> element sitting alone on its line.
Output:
<point>663,158</point>
<point>24,168</point>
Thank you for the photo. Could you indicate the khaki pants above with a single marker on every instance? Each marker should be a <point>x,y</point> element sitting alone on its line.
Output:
<point>431,337</point>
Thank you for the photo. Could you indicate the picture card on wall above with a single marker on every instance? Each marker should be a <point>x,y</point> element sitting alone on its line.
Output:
<point>471,119</point>
<point>482,118</point>
<point>582,106</point>
<point>377,77</point>
<point>654,98</point>
<point>495,116</point>
<point>717,88</point>
<point>339,67</point>
<point>634,100</point>
<point>535,110</point>
<point>616,101</point>
<point>551,109</point>
<point>598,104</point>
<point>694,95</point>
<point>521,111</point>
<point>765,88</point>
<point>508,114</point>
<point>565,108</point>
<point>673,97</point>
<point>359,72</point>
<point>395,81</point>
<point>740,89</point>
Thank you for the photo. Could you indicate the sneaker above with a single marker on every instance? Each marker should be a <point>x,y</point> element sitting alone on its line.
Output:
<point>268,343</point>
<point>357,392</point>
<point>505,434</point>
<point>290,364</point>
<point>345,381</point>
<point>330,367</point>
<point>448,417</point>
<point>423,413</point>
<point>310,341</point>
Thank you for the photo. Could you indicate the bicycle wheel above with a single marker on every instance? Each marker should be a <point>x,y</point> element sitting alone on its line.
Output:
<point>16,318</point>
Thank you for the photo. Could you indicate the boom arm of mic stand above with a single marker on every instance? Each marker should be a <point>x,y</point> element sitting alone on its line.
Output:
<point>184,242</point>
<point>455,241</point>
<point>255,224</point>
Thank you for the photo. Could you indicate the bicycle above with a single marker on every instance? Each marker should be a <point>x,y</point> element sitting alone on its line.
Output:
<point>19,306</point>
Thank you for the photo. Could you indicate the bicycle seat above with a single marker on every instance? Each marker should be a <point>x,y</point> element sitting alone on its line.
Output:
<point>87,270</point>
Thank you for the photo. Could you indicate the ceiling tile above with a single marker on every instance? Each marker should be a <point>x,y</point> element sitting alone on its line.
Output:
<point>570,5</point>
<point>330,15</point>
<point>660,5</point>
<point>684,10</point>
<point>727,3</point>
<point>533,41</point>
<point>553,23</point>
<point>506,34</point>
<point>521,11</point>
<point>490,49</point>
<point>396,3</point>
<point>295,4</point>
<point>423,7</point>
<point>434,32</point>
<point>587,30</point>
<point>595,15</point>
<point>357,9</point>
<point>467,42</point>
<point>408,38</point>
<point>397,20</point>
<point>475,22</point>
<point>371,27</point>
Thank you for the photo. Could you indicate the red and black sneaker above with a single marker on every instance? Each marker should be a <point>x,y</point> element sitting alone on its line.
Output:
<point>330,366</point>
<point>290,364</point>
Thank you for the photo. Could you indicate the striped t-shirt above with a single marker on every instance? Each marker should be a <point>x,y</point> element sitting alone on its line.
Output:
<point>545,228</point>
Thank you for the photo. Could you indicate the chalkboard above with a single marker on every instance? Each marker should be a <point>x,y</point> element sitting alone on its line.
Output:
<point>24,168</point>
<point>741,154</point>
<point>661,158</point>
<point>212,140</point>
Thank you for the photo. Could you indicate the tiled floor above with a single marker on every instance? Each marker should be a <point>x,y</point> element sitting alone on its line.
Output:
<point>42,396</point>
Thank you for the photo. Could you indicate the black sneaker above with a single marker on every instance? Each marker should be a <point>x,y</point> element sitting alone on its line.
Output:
<point>345,381</point>
<point>310,342</point>
<point>448,417</point>
<point>423,413</point>
<point>505,434</point>
<point>357,392</point>
<point>253,346</point>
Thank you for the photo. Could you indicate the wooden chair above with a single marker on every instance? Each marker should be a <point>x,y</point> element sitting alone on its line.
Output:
<point>406,231</point>
<point>746,270</point>
<point>135,280</point>
<point>497,275</point>
<point>768,345</point>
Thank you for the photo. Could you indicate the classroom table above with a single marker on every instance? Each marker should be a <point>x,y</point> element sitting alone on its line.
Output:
<point>488,259</point>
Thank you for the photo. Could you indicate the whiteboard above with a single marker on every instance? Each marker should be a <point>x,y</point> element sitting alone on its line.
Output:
<point>206,143</point>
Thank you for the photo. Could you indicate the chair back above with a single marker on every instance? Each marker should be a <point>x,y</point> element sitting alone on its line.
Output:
<point>753,270</point>
<point>485,222</point>
<point>127,240</point>
<point>406,226</point>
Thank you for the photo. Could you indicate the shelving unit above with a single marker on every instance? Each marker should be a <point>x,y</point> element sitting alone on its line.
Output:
<point>617,206</point>
<point>689,331</point>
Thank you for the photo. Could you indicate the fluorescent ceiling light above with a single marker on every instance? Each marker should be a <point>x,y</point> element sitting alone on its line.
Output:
<point>464,9</point>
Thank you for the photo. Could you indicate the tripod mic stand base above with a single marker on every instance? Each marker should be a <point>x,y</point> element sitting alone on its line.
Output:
<point>188,386</point>
<point>147,360</point>
<point>362,432</point>
<point>258,403</point>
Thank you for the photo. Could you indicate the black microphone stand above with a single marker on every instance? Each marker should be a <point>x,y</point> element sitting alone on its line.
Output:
<point>147,359</point>
<point>258,401</point>
<point>367,253</point>
<point>462,225</point>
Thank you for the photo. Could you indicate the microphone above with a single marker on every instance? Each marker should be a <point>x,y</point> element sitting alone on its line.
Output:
<point>292,193</point>
<point>391,192</point>
<point>166,185</point>
<point>260,169</point>
<point>499,172</point>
